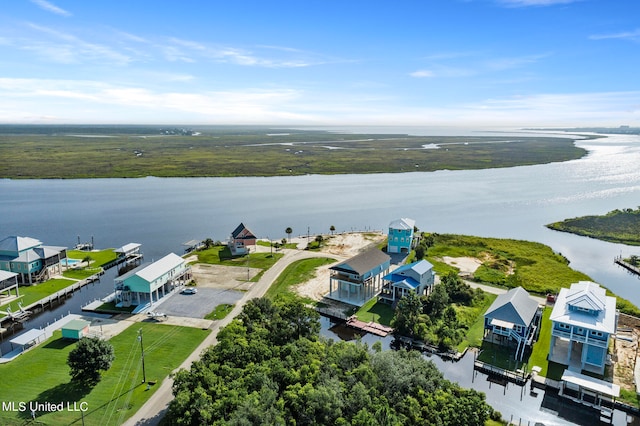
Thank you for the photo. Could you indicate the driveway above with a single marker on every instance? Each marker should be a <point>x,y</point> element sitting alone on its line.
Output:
<point>200,304</point>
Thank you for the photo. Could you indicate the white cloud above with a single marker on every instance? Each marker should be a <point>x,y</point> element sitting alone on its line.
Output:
<point>50,7</point>
<point>422,74</point>
<point>625,35</point>
<point>31,100</point>
<point>63,47</point>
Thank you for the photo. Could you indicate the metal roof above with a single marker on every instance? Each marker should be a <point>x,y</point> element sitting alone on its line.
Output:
<point>363,262</point>
<point>591,383</point>
<point>28,337</point>
<point>157,269</point>
<point>603,320</point>
<point>127,248</point>
<point>402,223</point>
<point>17,244</point>
<point>514,306</point>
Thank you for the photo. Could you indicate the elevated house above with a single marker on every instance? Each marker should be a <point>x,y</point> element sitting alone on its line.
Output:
<point>417,277</point>
<point>583,319</point>
<point>358,279</point>
<point>401,238</point>
<point>513,319</point>
<point>30,259</point>
<point>241,239</point>
<point>147,283</point>
<point>8,282</point>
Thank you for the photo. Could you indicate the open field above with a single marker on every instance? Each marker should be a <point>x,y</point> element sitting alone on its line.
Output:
<point>42,375</point>
<point>115,152</point>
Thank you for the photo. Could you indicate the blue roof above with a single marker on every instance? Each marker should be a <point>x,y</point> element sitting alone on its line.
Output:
<point>402,280</point>
<point>420,267</point>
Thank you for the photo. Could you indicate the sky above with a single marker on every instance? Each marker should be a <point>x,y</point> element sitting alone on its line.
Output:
<point>328,62</point>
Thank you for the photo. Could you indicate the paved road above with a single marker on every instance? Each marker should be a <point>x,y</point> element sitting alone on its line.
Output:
<point>152,412</point>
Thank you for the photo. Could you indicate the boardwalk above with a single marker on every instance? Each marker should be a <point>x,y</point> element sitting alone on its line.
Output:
<point>629,267</point>
<point>369,327</point>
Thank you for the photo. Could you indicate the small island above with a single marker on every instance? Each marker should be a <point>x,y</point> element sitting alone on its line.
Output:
<point>617,226</point>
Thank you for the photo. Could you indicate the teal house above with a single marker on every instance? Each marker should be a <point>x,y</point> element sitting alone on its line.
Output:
<point>401,238</point>
<point>147,283</point>
<point>30,259</point>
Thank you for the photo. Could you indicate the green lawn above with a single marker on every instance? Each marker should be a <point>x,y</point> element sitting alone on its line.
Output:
<point>296,273</point>
<point>541,347</point>
<point>219,312</point>
<point>220,255</point>
<point>376,311</point>
<point>99,258</point>
<point>33,293</point>
<point>42,375</point>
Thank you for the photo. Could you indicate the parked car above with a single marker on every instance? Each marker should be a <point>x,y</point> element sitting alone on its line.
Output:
<point>189,290</point>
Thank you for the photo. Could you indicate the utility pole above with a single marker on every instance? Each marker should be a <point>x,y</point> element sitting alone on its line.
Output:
<point>144,376</point>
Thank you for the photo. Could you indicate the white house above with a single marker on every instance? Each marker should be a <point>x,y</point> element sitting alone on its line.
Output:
<point>583,319</point>
<point>147,283</point>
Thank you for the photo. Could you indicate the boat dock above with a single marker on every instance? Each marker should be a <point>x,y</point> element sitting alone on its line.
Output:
<point>369,327</point>
<point>518,377</point>
<point>629,267</point>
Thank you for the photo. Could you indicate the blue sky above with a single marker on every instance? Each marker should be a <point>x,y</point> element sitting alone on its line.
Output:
<point>347,62</point>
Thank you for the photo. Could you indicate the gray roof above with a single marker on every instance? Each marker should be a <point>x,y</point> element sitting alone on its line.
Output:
<point>17,244</point>
<point>514,306</point>
<point>363,262</point>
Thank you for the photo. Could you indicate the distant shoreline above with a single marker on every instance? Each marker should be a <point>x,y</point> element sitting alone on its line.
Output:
<point>57,152</point>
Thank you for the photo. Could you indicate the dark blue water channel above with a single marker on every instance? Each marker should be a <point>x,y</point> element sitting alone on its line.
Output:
<point>519,404</point>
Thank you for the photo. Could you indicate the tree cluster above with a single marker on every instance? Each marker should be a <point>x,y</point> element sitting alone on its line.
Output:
<point>88,358</point>
<point>433,318</point>
<point>270,367</point>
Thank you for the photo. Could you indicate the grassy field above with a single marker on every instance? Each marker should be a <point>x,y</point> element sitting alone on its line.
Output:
<point>33,293</point>
<point>375,311</point>
<point>537,268</point>
<point>296,273</point>
<point>617,226</point>
<point>219,312</point>
<point>42,375</point>
<point>253,151</point>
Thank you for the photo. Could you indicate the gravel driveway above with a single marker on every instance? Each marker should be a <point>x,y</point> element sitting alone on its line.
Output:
<point>200,304</point>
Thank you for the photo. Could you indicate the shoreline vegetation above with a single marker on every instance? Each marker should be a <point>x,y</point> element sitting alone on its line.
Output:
<point>81,152</point>
<point>617,226</point>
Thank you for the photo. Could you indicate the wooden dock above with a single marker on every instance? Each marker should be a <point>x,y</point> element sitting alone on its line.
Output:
<point>517,377</point>
<point>369,327</point>
<point>629,267</point>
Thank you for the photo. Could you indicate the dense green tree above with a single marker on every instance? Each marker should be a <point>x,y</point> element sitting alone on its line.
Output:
<point>257,375</point>
<point>407,316</point>
<point>88,358</point>
<point>288,231</point>
<point>437,302</point>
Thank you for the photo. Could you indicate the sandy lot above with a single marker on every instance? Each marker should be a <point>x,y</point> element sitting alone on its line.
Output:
<point>467,265</point>
<point>341,247</point>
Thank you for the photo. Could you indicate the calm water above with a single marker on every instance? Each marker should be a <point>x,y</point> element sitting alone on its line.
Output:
<point>163,213</point>
<point>509,203</point>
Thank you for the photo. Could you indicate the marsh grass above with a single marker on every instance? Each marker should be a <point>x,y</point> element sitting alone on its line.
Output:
<point>226,151</point>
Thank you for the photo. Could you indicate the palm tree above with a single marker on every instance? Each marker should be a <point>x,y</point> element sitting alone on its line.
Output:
<point>332,229</point>
<point>289,231</point>
<point>208,243</point>
<point>87,259</point>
